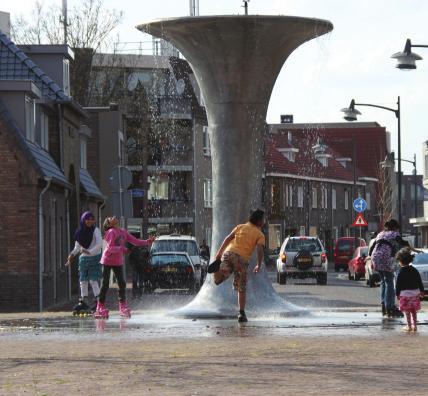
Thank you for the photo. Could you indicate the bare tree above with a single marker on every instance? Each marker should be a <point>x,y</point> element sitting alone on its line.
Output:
<point>385,196</point>
<point>89,25</point>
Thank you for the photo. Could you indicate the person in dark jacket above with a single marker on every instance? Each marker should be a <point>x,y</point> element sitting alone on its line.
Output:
<point>409,288</point>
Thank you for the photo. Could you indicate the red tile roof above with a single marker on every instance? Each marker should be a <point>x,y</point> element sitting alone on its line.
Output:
<point>370,150</point>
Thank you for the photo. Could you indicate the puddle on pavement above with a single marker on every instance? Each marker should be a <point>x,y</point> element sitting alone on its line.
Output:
<point>147,324</point>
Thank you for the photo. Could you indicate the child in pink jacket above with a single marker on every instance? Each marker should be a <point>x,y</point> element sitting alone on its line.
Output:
<point>113,260</point>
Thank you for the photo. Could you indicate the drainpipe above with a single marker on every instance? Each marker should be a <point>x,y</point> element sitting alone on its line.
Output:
<point>42,242</point>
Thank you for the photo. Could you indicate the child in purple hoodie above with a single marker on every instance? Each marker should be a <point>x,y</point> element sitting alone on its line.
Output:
<point>113,260</point>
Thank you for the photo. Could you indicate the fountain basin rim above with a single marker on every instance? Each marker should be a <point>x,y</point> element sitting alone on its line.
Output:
<point>210,18</point>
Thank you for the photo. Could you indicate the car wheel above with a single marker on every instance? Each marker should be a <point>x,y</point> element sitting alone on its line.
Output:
<point>322,279</point>
<point>356,276</point>
<point>336,269</point>
<point>349,275</point>
<point>281,278</point>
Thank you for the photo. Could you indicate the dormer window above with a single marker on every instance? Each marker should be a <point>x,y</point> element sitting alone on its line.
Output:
<point>289,153</point>
<point>30,119</point>
<point>323,159</point>
<point>66,76</point>
<point>344,161</point>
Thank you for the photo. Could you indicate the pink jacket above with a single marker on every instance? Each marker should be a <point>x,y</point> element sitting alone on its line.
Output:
<point>115,249</point>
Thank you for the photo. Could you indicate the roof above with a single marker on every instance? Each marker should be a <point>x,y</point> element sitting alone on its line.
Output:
<point>371,148</point>
<point>16,65</point>
<point>39,158</point>
<point>89,185</point>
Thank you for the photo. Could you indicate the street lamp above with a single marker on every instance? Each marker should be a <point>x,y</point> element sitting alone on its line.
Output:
<point>406,60</point>
<point>351,114</point>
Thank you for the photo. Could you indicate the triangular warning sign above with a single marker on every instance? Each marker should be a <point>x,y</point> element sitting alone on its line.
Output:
<point>360,221</point>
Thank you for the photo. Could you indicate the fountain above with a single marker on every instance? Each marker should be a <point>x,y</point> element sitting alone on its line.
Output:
<point>236,60</point>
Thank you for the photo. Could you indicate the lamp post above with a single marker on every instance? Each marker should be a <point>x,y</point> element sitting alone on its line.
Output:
<point>351,114</point>
<point>406,60</point>
<point>415,180</point>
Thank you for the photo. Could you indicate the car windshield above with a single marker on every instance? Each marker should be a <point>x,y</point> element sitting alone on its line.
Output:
<point>421,258</point>
<point>169,259</point>
<point>294,245</point>
<point>345,246</point>
<point>174,245</point>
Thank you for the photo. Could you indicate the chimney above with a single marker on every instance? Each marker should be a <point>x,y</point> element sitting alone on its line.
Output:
<point>5,23</point>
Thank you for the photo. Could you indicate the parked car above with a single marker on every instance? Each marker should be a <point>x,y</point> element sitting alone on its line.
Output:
<point>420,262</point>
<point>344,250</point>
<point>371,275</point>
<point>181,243</point>
<point>302,257</point>
<point>357,265</point>
<point>174,270</point>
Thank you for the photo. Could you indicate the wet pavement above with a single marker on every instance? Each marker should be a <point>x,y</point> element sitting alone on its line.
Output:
<point>342,307</point>
<point>162,325</point>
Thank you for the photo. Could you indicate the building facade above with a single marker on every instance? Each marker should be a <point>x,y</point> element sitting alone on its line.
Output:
<point>313,174</point>
<point>45,186</point>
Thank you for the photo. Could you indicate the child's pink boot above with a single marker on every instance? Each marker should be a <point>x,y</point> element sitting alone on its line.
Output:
<point>124,310</point>
<point>101,312</point>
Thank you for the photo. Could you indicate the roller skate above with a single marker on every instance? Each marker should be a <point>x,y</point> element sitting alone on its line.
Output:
<point>101,312</point>
<point>81,309</point>
<point>124,311</point>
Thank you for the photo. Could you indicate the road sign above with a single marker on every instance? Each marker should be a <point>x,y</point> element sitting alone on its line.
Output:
<point>360,205</point>
<point>360,221</point>
<point>137,193</point>
<point>121,178</point>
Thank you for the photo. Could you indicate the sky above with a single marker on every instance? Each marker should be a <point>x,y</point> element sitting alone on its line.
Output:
<point>322,76</point>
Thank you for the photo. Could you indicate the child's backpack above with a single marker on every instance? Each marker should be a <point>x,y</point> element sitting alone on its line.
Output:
<point>394,244</point>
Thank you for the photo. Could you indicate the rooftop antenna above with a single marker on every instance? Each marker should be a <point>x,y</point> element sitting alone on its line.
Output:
<point>64,20</point>
<point>194,7</point>
<point>246,6</point>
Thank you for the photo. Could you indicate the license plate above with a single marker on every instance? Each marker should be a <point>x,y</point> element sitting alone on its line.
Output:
<point>304,260</point>
<point>169,269</point>
<point>343,257</point>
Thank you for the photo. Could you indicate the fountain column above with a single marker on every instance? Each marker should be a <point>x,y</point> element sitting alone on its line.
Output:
<point>236,61</point>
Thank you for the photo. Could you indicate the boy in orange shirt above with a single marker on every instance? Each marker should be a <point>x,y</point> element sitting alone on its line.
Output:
<point>235,253</point>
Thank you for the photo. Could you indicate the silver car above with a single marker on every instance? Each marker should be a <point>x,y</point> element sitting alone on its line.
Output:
<point>302,257</point>
<point>420,262</point>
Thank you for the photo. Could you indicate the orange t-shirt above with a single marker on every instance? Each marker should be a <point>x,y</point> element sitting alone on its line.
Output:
<point>247,237</point>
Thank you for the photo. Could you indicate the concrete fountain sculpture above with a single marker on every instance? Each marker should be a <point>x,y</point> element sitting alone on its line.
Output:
<point>236,61</point>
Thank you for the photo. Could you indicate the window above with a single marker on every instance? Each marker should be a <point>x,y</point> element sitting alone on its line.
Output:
<point>206,141</point>
<point>324,198</point>
<point>346,199</point>
<point>30,119</point>
<point>290,196</point>
<point>333,199</point>
<point>66,76</point>
<point>368,200</point>
<point>335,233</point>
<point>302,231</point>
<point>300,197</point>
<point>159,186</point>
<point>208,236</point>
<point>83,154</point>
<point>426,167</point>
<point>314,198</point>
<point>208,193</point>
<point>44,130</point>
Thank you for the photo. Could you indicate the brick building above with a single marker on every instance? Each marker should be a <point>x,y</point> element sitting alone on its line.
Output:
<point>45,183</point>
<point>309,179</point>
